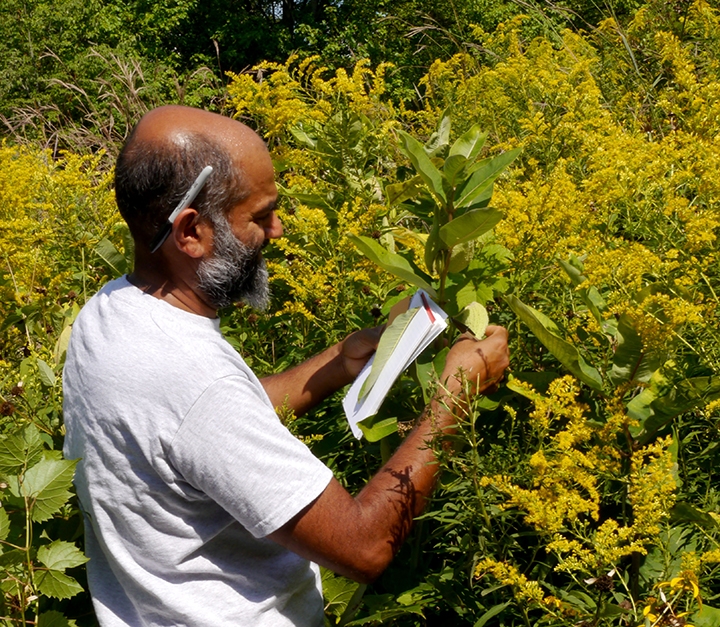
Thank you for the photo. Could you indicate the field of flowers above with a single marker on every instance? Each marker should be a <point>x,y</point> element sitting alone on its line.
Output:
<point>587,490</point>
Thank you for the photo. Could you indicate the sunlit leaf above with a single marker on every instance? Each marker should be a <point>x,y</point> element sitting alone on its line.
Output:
<point>630,362</point>
<point>112,257</point>
<point>664,399</point>
<point>62,344</point>
<point>400,192</point>
<point>59,555</point>
<point>20,450</point>
<point>422,164</point>
<point>548,333</point>
<point>452,166</point>
<point>389,341</point>
<point>47,483</point>
<point>469,226</point>
<point>376,431</point>
<point>484,177</point>
<point>392,262</point>
<point>470,143</point>
<point>475,317</point>
<point>46,373</point>
<point>56,584</point>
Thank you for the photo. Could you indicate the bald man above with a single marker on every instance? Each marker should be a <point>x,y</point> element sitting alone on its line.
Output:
<point>200,507</point>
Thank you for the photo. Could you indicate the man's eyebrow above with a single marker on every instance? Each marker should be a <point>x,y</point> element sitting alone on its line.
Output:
<point>269,208</point>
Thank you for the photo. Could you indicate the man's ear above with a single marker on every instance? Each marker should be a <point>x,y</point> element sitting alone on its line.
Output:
<point>192,234</point>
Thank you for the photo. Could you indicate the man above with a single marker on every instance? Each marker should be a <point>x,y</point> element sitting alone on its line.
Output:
<point>201,508</point>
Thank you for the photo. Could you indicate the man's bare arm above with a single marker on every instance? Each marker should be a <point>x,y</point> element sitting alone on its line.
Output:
<point>306,385</point>
<point>358,536</point>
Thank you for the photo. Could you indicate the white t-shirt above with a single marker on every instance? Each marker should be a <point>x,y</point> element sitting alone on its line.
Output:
<point>185,468</point>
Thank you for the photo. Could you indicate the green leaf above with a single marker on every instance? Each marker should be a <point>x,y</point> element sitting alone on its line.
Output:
<point>684,512</point>
<point>475,318</point>
<point>491,613</point>
<point>47,483</point>
<point>706,617</point>
<point>388,343</point>
<point>484,177</point>
<point>461,256</point>
<point>422,164</point>
<point>62,344</point>
<point>4,524</point>
<point>54,619</point>
<point>337,592</point>
<point>46,374</point>
<point>548,333</point>
<point>53,583</point>
<point>400,192</point>
<point>59,555</point>
<point>630,362</point>
<point>469,226</point>
<point>112,257</point>
<point>392,262</point>
<point>589,295</point>
<point>376,431</point>
<point>469,144</point>
<point>452,166</point>
<point>20,450</point>
<point>662,400</point>
<point>440,138</point>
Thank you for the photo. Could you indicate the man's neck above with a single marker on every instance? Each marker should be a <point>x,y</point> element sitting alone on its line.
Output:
<point>174,291</point>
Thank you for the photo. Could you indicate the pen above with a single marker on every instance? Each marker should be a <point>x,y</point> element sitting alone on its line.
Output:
<point>192,193</point>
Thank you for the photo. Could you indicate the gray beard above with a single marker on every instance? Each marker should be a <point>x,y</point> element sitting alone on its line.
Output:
<point>235,273</point>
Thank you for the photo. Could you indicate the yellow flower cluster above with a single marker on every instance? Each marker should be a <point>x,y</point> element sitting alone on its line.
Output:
<point>48,210</point>
<point>563,499</point>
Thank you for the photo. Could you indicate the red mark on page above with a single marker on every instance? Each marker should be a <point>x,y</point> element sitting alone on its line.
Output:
<point>430,314</point>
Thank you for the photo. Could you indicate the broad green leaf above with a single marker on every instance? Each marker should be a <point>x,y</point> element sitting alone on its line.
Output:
<point>589,295</point>
<point>392,262</point>
<point>491,613</point>
<point>547,332</point>
<point>4,524</point>
<point>62,344</point>
<point>337,592</point>
<point>461,256</point>
<point>630,362</point>
<point>475,318</point>
<point>400,192</point>
<point>56,584</point>
<point>452,166</point>
<point>433,246</point>
<point>484,177</point>
<point>706,617</point>
<point>422,164</point>
<point>388,343</point>
<point>662,400</point>
<point>59,555</point>
<point>470,143</point>
<point>376,431</point>
<point>20,450</point>
<point>684,512</point>
<point>112,257</point>
<point>353,605</point>
<point>469,226</point>
<point>46,373</point>
<point>303,137</point>
<point>12,557</point>
<point>47,483</point>
<point>440,138</point>
<point>54,619</point>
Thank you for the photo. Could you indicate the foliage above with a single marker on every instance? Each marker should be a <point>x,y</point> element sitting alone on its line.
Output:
<point>583,492</point>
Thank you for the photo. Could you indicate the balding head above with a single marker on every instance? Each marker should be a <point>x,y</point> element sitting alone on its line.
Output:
<point>164,154</point>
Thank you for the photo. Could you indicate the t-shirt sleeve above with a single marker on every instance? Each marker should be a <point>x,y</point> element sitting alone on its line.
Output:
<point>233,447</point>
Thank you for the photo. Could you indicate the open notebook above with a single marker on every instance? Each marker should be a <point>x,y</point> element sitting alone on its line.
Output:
<point>427,323</point>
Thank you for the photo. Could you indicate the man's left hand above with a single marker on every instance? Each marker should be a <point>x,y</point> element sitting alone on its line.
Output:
<point>357,348</point>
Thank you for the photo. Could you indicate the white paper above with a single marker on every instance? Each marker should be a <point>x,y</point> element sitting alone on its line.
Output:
<point>418,335</point>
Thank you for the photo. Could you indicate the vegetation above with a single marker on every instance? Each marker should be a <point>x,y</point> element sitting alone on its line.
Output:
<point>585,491</point>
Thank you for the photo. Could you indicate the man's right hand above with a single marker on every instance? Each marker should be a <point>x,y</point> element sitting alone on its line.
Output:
<point>481,362</point>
